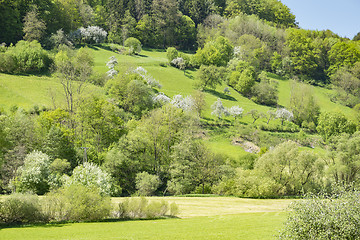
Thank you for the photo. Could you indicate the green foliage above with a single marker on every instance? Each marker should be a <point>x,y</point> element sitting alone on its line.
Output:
<point>292,170</point>
<point>133,44</point>
<point>143,208</point>
<point>304,106</point>
<point>76,203</point>
<point>25,57</point>
<point>21,208</point>
<point>211,76</point>
<point>243,79</point>
<point>34,28</point>
<point>324,217</point>
<point>100,123</point>
<point>171,53</point>
<point>33,175</point>
<point>59,166</point>
<point>147,184</point>
<point>343,53</point>
<point>265,93</point>
<point>270,10</point>
<point>74,70</point>
<point>218,52</point>
<point>194,167</point>
<point>58,145</point>
<point>334,123</point>
<point>131,93</point>
<point>342,160</point>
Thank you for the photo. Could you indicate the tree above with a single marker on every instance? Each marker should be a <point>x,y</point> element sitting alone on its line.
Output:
<point>171,53</point>
<point>33,175</point>
<point>34,28</point>
<point>218,52</point>
<point>211,76</point>
<point>243,80</point>
<point>133,44</point>
<point>147,184</point>
<point>199,101</point>
<point>111,64</point>
<point>218,109</point>
<point>343,53</point>
<point>91,176</point>
<point>265,93</point>
<point>342,160</point>
<point>194,165</point>
<point>334,123</point>
<point>25,57</point>
<point>166,17</point>
<point>235,111</point>
<point>284,115</point>
<point>98,125</point>
<point>255,114</point>
<point>58,145</point>
<point>74,73</point>
<point>292,169</point>
<point>303,105</point>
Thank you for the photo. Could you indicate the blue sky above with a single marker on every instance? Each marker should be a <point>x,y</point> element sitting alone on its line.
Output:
<point>340,16</point>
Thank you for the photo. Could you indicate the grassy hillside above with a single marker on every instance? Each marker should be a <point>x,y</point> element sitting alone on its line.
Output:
<point>27,91</point>
<point>201,218</point>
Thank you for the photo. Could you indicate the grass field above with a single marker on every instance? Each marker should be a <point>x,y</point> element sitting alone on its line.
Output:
<point>200,218</point>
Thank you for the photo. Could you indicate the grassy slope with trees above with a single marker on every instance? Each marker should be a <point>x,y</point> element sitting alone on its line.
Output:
<point>284,137</point>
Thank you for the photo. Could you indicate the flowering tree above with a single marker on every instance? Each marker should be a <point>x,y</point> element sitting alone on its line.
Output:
<point>111,64</point>
<point>186,104</point>
<point>161,98</point>
<point>91,35</point>
<point>218,109</point>
<point>90,175</point>
<point>34,174</point>
<point>235,111</point>
<point>284,115</point>
<point>147,77</point>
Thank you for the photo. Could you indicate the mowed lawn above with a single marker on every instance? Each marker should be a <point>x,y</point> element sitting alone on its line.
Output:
<point>200,218</point>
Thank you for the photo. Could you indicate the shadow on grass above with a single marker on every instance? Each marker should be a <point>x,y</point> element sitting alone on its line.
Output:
<point>220,95</point>
<point>67,223</point>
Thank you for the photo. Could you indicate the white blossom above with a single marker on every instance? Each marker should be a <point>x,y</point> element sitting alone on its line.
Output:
<point>161,98</point>
<point>218,109</point>
<point>235,111</point>
<point>91,175</point>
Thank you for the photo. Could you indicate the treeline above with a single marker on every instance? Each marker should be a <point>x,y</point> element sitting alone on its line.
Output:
<point>157,23</point>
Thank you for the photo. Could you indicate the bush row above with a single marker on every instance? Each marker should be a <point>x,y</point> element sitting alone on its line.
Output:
<point>77,203</point>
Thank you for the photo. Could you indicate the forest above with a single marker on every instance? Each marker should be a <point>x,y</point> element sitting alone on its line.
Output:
<point>270,110</point>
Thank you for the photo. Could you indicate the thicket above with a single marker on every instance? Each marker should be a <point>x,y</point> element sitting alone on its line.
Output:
<point>78,203</point>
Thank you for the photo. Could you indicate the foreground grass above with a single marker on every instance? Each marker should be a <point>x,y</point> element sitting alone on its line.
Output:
<point>239,226</point>
<point>201,218</point>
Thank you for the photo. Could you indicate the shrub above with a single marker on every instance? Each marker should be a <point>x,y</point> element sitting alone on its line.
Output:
<point>324,217</point>
<point>21,208</point>
<point>171,53</point>
<point>147,184</point>
<point>142,208</point>
<point>90,175</point>
<point>25,57</point>
<point>133,44</point>
<point>76,203</point>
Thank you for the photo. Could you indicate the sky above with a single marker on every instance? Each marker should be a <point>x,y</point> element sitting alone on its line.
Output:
<point>340,16</point>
